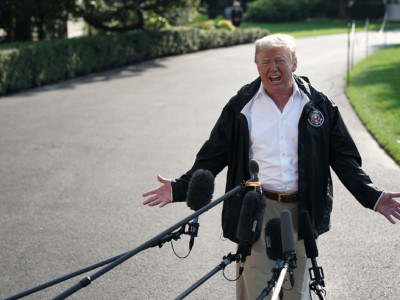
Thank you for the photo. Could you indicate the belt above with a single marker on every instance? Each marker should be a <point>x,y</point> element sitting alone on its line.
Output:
<point>281,197</point>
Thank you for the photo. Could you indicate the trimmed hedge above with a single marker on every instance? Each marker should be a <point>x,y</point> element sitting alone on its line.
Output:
<point>27,65</point>
<point>275,11</point>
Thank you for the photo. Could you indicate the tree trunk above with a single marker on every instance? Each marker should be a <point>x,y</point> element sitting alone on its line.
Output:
<point>23,29</point>
<point>342,9</point>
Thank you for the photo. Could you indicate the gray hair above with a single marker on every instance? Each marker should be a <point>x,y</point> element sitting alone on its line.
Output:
<point>276,41</point>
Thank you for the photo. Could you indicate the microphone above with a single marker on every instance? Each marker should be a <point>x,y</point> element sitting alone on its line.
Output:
<point>250,223</point>
<point>200,192</point>
<point>316,273</point>
<point>274,252</point>
<point>273,239</point>
<point>200,189</point>
<point>273,242</point>
<point>288,250</point>
<point>254,169</point>
<point>287,233</point>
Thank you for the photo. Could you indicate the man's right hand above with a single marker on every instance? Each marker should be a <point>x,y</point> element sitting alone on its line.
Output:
<point>161,195</point>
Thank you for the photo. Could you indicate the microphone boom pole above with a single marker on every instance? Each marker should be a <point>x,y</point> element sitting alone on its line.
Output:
<point>150,243</point>
<point>286,267</point>
<point>271,284</point>
<point>64,278</point>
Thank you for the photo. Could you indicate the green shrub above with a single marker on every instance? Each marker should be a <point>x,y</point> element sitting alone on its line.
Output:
<point>219,18</point>
<point>199,17</point>
<point>156,22</point>
<point>207,25</point>
<point>225,24</point>
<point>274,11</point>
<point>320,9</point>
<point>26,65</point>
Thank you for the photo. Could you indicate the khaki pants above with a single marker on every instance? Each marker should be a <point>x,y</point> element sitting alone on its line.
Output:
<point>257,269</point>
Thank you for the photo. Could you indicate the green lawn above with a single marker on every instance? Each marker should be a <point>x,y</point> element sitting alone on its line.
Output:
<point>374,92</point>
<point>317,27</point>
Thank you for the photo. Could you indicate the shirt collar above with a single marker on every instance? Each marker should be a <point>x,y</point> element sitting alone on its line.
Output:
<point>296,91</point>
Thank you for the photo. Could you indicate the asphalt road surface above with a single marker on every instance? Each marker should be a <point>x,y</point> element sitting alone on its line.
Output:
<point>76,156</point>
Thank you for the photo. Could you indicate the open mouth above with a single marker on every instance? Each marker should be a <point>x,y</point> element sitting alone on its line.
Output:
<point>275,79</point>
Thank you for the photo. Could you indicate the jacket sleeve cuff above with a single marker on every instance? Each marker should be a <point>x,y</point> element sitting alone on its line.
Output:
<point>178,193</point>
<point>377,202</point>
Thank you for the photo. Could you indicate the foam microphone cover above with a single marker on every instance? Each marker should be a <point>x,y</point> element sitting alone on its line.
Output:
<point>273,239</point>
<point>287,232</point>
<point>251,218</point>
<point>200,189</point>
<point>309,240</point>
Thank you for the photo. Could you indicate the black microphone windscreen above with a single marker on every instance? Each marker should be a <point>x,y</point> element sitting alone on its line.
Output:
<point>273,239</point>
<point>287,232</point>
<point>309,240</point>
<point>251,218</point>
<point>200,189</point>
<point>253,166</point>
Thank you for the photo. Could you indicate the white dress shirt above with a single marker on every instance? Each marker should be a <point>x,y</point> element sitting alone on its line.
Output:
<point>274,138</point>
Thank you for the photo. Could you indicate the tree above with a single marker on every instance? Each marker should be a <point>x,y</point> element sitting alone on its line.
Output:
<point>15,19</point>
<point>343,5</point>
<point>327,8</point>
<point>22,18</point>
<point>126,15</point>
<point>45,19</point>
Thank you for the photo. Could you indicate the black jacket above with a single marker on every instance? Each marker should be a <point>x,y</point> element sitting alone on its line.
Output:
<point>323,142</point>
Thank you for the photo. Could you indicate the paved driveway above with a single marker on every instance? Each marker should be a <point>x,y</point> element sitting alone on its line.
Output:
<point>76,156</point>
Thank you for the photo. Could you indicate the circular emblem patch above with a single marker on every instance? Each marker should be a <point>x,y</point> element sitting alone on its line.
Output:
<point>316,118</point>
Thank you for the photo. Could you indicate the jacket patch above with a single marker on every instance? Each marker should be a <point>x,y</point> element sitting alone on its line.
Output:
<point>316,118</point>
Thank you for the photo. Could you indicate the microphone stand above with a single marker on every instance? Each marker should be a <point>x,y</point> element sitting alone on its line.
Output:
<point>150,243</point>
<point>289,264</point>
<point>227,260</point>
<point>317,277</point>
<point>271,284</point>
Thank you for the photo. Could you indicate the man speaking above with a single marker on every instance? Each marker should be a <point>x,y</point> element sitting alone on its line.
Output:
<point>296,134</point>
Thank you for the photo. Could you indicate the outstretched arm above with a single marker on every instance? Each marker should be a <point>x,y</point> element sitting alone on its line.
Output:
<point>161,195</point>
<point>389,206</point>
